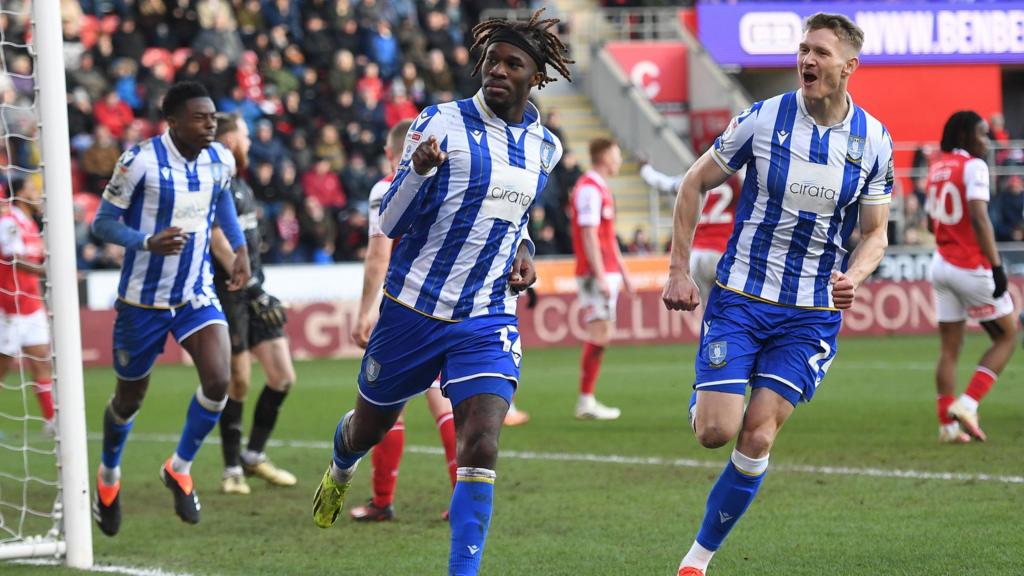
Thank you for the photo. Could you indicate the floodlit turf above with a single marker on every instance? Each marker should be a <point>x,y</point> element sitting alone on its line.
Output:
<point>554,517</point>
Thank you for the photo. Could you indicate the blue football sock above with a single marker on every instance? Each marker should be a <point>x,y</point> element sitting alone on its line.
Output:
<point>470,515</point>
<point>344,458</point>
<point>115,434</point>
<point>202,416</point>
<point>730,497</point>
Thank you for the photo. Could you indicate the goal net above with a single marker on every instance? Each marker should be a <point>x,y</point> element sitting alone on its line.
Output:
<point>44,508</point>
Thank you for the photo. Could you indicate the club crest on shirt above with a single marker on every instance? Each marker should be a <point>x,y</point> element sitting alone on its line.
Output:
<point>717,352</point>
<point>855,149</point>
<point>372,369</point>
<point>218,171</point>
<point>547,155</point>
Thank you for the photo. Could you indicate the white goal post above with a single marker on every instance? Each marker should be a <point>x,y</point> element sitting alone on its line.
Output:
<point>72,536</point>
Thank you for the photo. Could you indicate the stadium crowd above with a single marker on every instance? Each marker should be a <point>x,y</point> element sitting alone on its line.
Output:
<point>319,83</point>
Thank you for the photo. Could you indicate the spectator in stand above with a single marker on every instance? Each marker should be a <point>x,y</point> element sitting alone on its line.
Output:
<point>352,236</point>
<point>915,222</point>
<point>554,123</point>
<point>370,86</point>
<point>218,79</point>
<point>317,232</point>
<point>275,73</point>
<point>318,46</point>
<point>556,199</point>
<point>99,160</point>
<point>221,39</point>
<point>344,109</point>
<point>89,78</point>
<point>126,85</point>
<point>240,104</point>
<point>641,243</point>
<point>287,183</point>
<point>248,76</point>
<point>310,90</point>
<point>297,116</point>
<point>1008,210</point>
<point>114,114</point>
<point>264,186</point>
<point>128,41</point>
<point>103,52</point>
<point>284,13</point>
<point>343,76</point>
<point>266,147</point>
<point>1001,139</point>
<point>466,83</point>
<point>301,154</point>
<point>399,107</point>
<point>415,88</point>
<point>411,40</point>
<point>349,39</point>
<point>323,184</point>
<point>151,20</point>
<point>154,87</point>
<point>81,121</point>
<point>328,145</point>
<point>287,248</point>
<point>190,71</point>
<point>438,37</point>
<point>250,20</point>
<point>438,78</point>
<point>372,116</point>
<point>383,49</point>
<point>357,181</point>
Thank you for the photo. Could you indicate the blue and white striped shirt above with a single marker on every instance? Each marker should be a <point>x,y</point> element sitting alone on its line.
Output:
<point>155,187</point>
<point>462,223</point>
<point>800,199</point>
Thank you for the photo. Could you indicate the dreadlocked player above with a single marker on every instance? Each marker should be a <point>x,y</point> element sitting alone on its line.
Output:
<point>460,201</point>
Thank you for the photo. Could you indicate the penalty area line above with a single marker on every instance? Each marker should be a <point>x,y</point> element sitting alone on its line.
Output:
<point>105,568</point>
<point>644,461</point>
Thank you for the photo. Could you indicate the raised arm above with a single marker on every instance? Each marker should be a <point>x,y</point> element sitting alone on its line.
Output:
<point>425,149</point>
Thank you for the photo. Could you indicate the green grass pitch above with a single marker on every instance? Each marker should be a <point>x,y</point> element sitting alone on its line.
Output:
<point>559,514</point>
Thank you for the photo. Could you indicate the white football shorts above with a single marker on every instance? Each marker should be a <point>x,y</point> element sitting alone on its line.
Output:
<point>594,304</point>
<point>19,331</point>
<point>961,293</point>
<point>703,269</point>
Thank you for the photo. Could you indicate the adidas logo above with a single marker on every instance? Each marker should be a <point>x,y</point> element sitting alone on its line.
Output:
<point>724,517</point>
<point>473,550</point>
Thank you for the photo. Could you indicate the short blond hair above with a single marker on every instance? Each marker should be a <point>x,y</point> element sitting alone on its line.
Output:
<point>845,29</point>
<point>396,137</point>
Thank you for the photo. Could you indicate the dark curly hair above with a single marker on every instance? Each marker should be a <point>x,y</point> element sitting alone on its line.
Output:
<point>537,33</point>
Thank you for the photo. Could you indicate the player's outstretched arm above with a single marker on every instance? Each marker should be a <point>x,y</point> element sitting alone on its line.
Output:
<point>874,225</point>
<point>659,180</point>
<point>680,291</point>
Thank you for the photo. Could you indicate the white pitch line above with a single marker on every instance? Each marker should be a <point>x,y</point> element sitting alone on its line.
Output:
<point>644,461</point>
<point>107,569</point>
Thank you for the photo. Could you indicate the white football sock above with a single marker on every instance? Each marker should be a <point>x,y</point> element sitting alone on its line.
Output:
<point>697,557</point>
<point>179,465</point>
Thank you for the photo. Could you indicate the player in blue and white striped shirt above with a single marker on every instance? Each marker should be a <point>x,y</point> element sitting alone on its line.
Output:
<point>815,163</point>
<point>470,172</point>
<point>160,204</point>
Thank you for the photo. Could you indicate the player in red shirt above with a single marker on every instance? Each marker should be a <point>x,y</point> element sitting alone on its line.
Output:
<point>387,454</point>
<point>600,270</point>
<point>967,273</point>
<point>24,329</point>
<point>717,217</point>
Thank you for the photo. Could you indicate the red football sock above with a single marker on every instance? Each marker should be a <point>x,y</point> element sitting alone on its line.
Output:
<point>44,393</point>
<point>943,403</point>
<point>385,459</point>
<point>446,427</point>
<point>980,383</point>
<point>590,367</point>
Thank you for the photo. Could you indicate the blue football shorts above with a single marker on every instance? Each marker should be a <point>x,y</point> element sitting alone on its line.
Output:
<point>407,349</point>
<point>746,341</point>
<point>140,333</point>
